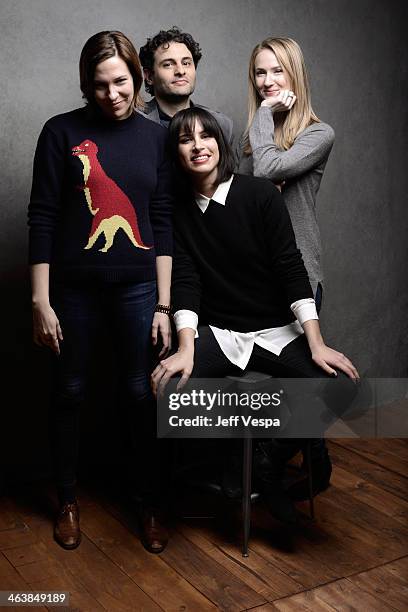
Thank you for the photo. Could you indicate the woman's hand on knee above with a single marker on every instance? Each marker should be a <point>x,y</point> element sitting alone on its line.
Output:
<point>180,363</point>
<point>161,328</point>
<point>328,359</point>
<point>46,328</point>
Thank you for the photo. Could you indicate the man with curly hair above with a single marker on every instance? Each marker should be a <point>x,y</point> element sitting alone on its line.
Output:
<point>169,62</point>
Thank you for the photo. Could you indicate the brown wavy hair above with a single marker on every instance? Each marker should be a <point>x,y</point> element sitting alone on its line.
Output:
<point>100,47</point>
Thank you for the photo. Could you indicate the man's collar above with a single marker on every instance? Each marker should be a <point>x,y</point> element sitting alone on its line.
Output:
<point>163,117</point>
<point>163,113</point>
<point>220,195</point>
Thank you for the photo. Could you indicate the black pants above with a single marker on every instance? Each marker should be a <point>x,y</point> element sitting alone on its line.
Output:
<point>295,360</point>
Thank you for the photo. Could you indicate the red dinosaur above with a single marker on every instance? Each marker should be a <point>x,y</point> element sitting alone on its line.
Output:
<point>110,206</point>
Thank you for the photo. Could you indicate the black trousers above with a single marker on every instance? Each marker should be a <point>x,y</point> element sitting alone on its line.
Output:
<point>295,360</point>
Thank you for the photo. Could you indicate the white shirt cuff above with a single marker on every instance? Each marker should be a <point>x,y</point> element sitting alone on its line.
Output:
<point>186,318</point>
<point>304,310</point>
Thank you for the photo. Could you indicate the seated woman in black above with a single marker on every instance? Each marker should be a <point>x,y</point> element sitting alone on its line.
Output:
<point>238,276</point>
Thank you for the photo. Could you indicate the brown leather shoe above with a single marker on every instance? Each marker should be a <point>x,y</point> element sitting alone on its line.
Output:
<point>66,529</point>
<point>153,533</point>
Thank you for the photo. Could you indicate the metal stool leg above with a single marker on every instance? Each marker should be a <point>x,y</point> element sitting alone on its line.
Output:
<point>246,494</point>
<point>310,478</point>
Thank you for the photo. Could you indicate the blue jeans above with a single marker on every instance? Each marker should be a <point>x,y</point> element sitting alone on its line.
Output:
<point>84,310</point>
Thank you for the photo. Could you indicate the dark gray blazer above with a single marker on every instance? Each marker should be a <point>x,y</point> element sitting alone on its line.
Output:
<point>152,112</point>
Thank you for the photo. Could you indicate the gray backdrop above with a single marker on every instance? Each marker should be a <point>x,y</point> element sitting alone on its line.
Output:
<point>357,61</point>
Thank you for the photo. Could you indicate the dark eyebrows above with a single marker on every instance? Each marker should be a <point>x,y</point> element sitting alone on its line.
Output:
<point>171,59</point>
<point>185,132</point>
<point>190,133</point>
<point>118,78</point>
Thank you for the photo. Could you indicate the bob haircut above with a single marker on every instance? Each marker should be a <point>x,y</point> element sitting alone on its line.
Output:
<point>290,123</point>
<point>100,47</point>
<point>184,122</point>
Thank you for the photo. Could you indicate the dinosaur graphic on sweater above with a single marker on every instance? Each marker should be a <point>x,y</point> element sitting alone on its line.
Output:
<point>111,208</point>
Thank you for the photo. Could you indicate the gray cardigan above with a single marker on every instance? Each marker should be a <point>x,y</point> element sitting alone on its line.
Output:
<point>301,167</point>
<point>152,112</point>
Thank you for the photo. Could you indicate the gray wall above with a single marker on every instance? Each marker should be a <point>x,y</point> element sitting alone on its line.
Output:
<point>357,61</point>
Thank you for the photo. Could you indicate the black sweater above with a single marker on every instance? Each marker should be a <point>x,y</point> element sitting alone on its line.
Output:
<point>237,266</point>
<point>101,200</point>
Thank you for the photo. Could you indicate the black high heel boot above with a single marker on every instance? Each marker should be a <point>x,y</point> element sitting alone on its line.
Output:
<point>321,471</point>
<point>270,459</point>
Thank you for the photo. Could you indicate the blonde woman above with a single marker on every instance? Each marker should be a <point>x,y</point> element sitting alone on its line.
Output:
<point>287,143</point>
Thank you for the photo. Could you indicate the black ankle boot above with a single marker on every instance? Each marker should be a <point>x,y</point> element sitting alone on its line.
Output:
<point>321,467</point>
<point>270,459</point>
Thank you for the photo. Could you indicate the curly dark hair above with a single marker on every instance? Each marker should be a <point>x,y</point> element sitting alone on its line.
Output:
<point>165,37</point>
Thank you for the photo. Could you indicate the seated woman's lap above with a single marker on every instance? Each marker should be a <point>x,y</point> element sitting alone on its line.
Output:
<point>209,360</point>
<point>294,361</point>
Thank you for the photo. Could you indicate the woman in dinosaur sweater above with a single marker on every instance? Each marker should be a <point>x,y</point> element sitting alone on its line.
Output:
<point>100,253</point>
<point>238,278</point>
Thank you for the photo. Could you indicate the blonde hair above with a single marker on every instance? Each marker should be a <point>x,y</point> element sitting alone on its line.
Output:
<point>290,123</point>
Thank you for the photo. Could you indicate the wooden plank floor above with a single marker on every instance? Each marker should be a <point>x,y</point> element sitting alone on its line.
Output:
<point>353,557</point>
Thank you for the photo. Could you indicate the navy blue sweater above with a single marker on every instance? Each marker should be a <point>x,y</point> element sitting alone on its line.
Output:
<point>101,200</point>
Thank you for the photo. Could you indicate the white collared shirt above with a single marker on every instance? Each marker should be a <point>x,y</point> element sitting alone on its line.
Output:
<point>238,346</point>
<point>220,195</point>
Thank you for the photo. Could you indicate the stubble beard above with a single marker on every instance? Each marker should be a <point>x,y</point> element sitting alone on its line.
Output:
<point>174,98</point>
